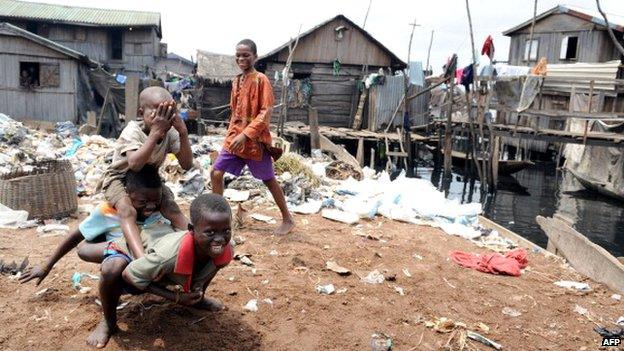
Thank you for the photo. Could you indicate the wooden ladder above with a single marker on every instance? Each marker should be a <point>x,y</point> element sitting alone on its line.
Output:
<point>398,154</point>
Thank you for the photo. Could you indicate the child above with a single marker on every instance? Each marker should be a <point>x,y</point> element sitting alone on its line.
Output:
<point>103,225</point>
<point>147,142</point>
<point>248,137</point>
<point>187,259</point>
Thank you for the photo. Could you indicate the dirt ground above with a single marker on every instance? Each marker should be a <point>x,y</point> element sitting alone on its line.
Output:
<point>287,269</point>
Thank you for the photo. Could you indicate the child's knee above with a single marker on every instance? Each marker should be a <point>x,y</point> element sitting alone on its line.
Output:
<point>112,268</point>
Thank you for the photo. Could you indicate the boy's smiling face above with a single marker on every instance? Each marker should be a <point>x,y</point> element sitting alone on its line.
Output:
<point>145,201</point>
<point>245,58</point>
<point>212,233</point>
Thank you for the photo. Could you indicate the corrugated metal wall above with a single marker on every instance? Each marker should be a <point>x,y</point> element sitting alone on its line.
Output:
<point>384,99</point>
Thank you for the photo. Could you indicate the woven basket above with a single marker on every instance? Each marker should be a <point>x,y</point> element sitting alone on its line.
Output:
<point>48,191</point>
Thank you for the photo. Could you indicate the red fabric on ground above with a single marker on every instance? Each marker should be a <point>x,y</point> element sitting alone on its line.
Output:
<point>495,263</point>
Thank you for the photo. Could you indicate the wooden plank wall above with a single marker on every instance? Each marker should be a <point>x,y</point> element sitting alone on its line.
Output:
<point>594,44</point>
<point>322,45</point>
<point>45,104</point>
<point>96,44</point>
<point>139,49</point>
<point>332,95</point>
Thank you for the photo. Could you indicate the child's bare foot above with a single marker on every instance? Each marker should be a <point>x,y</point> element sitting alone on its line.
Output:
<point>100,335</point>
<point>209,304</point>
<point>285,228</point>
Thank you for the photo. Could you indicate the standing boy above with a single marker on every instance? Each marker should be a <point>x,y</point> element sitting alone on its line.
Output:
<point>248,138</point>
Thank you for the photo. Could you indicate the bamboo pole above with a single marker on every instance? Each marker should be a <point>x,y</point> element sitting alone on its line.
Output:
<point>429,51</point>
<point>284,94</point>
<point>448,144</point>
<point>407,132</point>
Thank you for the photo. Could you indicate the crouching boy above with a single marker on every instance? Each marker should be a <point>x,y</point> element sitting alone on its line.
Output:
<point>187,261</point>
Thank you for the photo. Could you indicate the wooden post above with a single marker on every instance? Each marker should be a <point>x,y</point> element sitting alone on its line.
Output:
<point>448,143</point>
<point>372,158</point>
<point>359,156</point>
<point>357,120</point>
<point>315,142</point>
<point>407,136</point>
<point>589,109</point>
<point>495,140</point>
<point>132,97</point>
<point>99,125</point>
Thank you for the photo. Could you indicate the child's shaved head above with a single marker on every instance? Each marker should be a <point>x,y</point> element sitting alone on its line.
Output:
<point>153,95</point>
<point>209,203</point>
<point>147,177</point>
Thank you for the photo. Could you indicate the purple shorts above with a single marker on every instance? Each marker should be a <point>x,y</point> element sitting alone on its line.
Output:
<point>233,164</point>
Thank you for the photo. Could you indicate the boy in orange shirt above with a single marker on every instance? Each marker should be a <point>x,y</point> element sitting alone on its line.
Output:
<point>248,137</point>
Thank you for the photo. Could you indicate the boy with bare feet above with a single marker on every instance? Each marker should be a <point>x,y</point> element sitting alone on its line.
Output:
<point>186,260</point>
<point>159,131</point>
<point>248,140</point>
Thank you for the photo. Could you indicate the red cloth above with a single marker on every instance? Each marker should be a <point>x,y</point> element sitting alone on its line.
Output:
<point>186,259</point>
<point>488,47</point>
<point>495,263</point>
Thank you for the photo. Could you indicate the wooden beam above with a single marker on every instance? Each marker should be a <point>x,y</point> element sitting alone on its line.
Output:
<point>339,152</point>
<point>586,257</point>
<point>315,142</point>
<point>360,152</point>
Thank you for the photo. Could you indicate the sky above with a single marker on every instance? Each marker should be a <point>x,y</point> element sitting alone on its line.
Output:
<point>217,26</point>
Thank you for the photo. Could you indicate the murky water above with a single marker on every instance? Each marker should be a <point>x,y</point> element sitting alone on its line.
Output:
<point>542,190</point>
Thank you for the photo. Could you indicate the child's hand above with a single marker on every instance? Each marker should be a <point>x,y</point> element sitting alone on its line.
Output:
<point>160,127</point>
<point>191,298</point>
<point>34,272</point>
<point>238,143</point>
<point>179,125</point>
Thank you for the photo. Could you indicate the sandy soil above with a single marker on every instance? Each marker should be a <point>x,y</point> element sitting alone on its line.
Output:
<point>300,318</point>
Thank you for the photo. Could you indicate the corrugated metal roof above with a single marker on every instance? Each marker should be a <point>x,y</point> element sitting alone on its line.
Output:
<point>560,77</point>
<point>13,30</point>
<point>77,15</point>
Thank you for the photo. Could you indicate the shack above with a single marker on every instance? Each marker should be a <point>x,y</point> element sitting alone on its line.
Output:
<point>175,64</point>
<point>565,34</point>
<point>125,41</point>
<point>328,65</point>
<point>41,79</point>
<point>215,74</point>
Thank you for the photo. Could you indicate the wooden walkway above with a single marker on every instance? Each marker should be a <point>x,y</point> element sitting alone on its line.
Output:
<point>299,129</point>
<point>549,135</point>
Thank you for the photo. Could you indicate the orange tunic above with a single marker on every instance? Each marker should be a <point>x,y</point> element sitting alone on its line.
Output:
<point>252,103</point>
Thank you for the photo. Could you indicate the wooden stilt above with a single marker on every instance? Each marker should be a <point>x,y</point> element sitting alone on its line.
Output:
<point>494,161</point>
<point>360,152</point>
<point>589,109</point>
<point>448,143</point>
<point>315,142</point>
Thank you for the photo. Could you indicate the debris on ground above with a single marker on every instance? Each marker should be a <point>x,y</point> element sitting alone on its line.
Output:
<point>325,289</point>
<point>510,264</point>
<point>335,267</point>
<point>568,284</point>
<point>508,311</point>
<point>294,164</point>
<point>381,342</point>
<point>482,339</point>
<point>340,216</point>
<point>13,268</point>
<point>341,171</point>
<point>251,306</point>
<point>263,218</point>
<point>374,277</point>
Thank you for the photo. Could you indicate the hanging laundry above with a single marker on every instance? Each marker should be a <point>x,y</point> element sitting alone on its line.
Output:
<point>450,66</point>
<point>458,75</point>
<point>467,77</point>
<point>495,263</point>
<point>488,47</point>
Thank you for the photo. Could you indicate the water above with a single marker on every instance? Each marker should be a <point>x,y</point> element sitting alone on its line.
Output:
<point>542,190</point>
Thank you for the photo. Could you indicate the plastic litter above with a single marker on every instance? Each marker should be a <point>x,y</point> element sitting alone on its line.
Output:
<point>13,219</point>
<point>309,207</point>
<point>236,195</point>
<point>340,216</point>
<point>399,290</point>
<point>251,306</point>
<point>246,261</point>
<point>263,218</point>
<point>374,277</point>
<point>54,227</point>
<point>325,289</point>
<point>381,342</point>
<point>568,284</point>
<point>616,297</point>
<point>508,311</point>
<point>580,310</point>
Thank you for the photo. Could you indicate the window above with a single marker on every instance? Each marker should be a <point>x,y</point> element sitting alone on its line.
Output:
<point>39,74</point>
<point>116,45</point>
<point>569,47</point>
<point>49,75</point>
<point>531,45</point>
<point>297,75</point>
<point>29,75</point>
